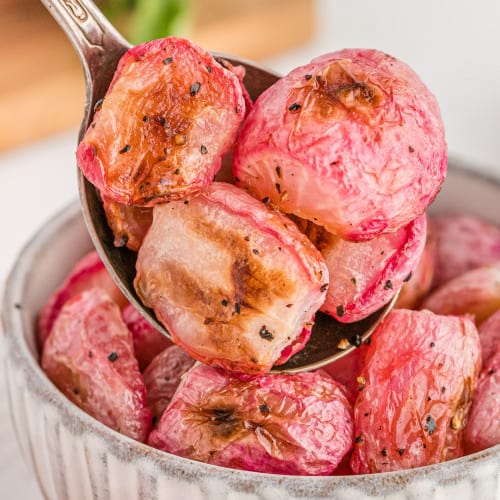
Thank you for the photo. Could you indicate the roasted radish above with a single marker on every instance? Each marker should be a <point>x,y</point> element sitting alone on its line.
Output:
<point>88,272</point>
<point>282,424</point>
<point>475,292</point>
<point>89,356</point>
<point>148,342</point>
<point>418,378</point>
<point>464,242</point>
<point>128,223</point>
<point>162,377</point>
<point>234,282</point>
<point>365,275</point>
<point>170,114</point>
<point>352,141</point>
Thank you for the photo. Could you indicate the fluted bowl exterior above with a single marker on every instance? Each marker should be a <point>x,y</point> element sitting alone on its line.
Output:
<point>75,457</point>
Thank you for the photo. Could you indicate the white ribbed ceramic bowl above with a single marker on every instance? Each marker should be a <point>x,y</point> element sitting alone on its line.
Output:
<point>75,457</point>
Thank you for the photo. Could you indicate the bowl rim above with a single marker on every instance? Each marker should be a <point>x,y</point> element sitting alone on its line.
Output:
<point>15,319</point>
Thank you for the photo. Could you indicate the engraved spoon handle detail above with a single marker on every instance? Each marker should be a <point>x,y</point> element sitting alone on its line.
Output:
<point>98,44</point>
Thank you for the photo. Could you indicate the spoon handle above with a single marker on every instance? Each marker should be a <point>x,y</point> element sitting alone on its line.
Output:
<point>98,44</point>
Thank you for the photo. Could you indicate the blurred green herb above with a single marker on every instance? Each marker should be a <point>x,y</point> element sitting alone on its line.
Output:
<point>143,20</point>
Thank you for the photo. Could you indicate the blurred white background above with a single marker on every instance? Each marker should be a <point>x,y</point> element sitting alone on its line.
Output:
<point>454,45</point>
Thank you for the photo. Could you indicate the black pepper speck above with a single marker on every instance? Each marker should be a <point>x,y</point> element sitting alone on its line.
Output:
<point>265,333</point>
<point>430,424</point>
<point>264,409</point>
<point>195,87</point>
<point>355,340</point>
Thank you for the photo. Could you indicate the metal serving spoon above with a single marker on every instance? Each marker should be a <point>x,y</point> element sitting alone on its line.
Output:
<point>100,47</point>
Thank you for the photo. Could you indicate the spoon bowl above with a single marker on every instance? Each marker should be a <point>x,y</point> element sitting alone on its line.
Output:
<point>100,47</point>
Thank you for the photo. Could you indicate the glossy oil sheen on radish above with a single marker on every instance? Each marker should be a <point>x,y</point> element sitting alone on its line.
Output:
<point>234,282</point>
<point>129,223</point>
<point>170,114</point>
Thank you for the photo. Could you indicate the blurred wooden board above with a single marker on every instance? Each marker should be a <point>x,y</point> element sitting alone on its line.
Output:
<point>42,88</point>
<point>256,29</point>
